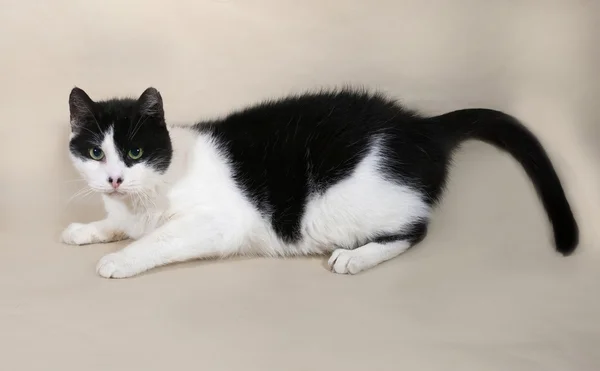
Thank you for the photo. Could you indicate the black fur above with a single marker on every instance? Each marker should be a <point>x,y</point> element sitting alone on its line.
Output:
<point>136,123</point>
<point>414,235</point>
<point>286,150</point>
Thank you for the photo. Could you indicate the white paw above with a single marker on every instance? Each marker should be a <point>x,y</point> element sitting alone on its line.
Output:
<point>347,261</point>
<point>79,234</point>
<point>117,265</point>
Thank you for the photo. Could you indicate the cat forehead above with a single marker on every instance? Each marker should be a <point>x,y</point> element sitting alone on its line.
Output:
<point>105,121</point>
<point>116,113</point>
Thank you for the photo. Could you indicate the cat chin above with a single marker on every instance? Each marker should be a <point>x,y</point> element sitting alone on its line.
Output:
<point>116,194</point>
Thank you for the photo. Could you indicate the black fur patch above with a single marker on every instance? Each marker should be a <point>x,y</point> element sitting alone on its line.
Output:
<point>286,150</point>
<point>414,235</point>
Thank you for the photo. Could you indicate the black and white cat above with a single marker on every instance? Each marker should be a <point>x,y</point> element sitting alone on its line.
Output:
<point>346,173</point>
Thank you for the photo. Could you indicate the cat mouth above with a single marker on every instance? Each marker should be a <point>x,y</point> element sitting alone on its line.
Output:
<point>115,193</point>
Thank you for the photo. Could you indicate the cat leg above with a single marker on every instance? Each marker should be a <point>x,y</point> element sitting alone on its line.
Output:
<point>179,239</point>
<point>101,231</point>
<point>382,249</point>
<point>362,258</point>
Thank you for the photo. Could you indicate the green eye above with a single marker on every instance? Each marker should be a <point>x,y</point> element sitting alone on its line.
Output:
<point>96,154</point>
<point>135,153</point>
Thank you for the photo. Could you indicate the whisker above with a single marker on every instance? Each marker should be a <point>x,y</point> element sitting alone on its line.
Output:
<point>73,180</point>
<point>94,117</point>
<point>131,128</point>
<point>82,193</point>
<point>139,127</point>
<point>95,136</point>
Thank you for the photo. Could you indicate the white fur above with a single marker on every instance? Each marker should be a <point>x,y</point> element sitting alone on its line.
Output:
<point>195,210</point>
<point>365,257</point>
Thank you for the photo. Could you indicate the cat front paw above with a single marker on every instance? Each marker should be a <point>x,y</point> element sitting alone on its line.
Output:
<point>80,234</point>
<point>344,261</point>
<point>117,265</point>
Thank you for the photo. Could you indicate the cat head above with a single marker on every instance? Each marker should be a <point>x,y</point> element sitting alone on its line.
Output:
<point>119,146</point>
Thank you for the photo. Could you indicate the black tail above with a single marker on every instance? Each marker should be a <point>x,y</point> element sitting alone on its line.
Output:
<point>507,133</point>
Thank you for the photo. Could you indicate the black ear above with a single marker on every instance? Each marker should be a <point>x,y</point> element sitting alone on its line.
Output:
<point>150,103</point>
<point>80,106</point>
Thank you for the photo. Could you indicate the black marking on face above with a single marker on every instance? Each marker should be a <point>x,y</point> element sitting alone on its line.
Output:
<point>134,123</point>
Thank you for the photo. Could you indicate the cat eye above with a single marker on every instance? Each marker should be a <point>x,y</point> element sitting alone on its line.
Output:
<point>96,154</point>
<point>135,153</point>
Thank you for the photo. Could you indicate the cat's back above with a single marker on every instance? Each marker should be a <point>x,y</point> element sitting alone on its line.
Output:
<point>344,112</point>
<point>317,137</point>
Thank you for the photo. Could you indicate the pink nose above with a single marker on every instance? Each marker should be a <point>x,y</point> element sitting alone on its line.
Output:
<point>115,182</point>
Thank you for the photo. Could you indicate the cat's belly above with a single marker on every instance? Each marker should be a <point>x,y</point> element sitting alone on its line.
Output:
<point>359,209</point>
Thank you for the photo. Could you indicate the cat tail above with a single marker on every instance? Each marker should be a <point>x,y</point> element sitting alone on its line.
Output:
<point>507,133</point>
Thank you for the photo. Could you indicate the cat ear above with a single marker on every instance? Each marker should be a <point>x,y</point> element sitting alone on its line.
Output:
<point>80,107</point>
<point>150,103</point>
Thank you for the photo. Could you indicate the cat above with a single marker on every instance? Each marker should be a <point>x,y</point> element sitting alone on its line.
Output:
<point>345,172</point>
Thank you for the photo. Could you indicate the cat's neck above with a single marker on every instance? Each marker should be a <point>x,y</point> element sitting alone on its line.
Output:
<point>183,140</point>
